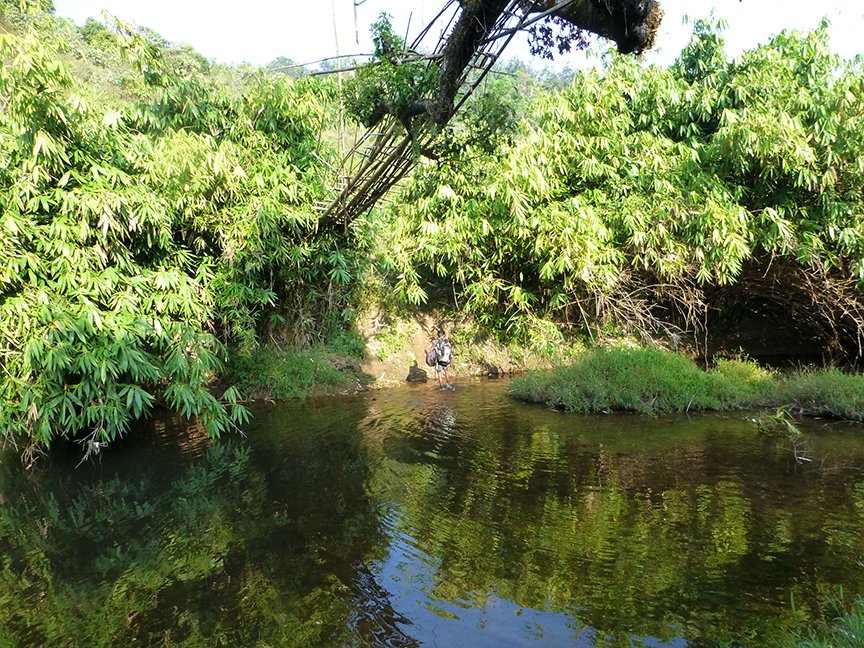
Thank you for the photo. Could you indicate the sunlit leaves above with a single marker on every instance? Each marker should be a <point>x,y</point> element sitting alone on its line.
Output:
<point>138,241</point>
<point>391,81</point>
<point>680,174</point>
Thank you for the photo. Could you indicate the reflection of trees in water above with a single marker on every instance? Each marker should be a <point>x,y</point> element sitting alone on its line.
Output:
<point>216,555</point>
<point>279,544</point>
<point>320,489</point>
<point>98,560</point>
<point>655,543</point>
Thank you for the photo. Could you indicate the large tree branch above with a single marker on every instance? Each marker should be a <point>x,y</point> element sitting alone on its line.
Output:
<point>632,24</point>
<point>473,27</point>
<point>431,93</point>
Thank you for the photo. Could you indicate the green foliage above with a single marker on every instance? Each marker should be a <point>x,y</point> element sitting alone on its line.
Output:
<point>95,298</point>
<point>826,392</point>
<point>142,238</point>
<point>389,341</point>
<point>348,343</point>
<point>285,66</point>
<point>97,35</point>
<point>18,8</point>
<point>645,380</point>
<point>779,424</point>
<point>391,81</point>
<point>274,373</point>
<point>637,177</point>
<point>163,213</point>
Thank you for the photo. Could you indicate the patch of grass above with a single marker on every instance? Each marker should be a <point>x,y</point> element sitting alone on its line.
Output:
<point>648,381</point>
<point>741,383</point>
<point>826,392</point>
<point>279,374</point>
<point>844,627</point>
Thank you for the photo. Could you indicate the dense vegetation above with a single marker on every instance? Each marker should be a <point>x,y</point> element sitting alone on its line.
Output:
<point>641,193</point>
<point>144,236</point>
<point>158,215</point>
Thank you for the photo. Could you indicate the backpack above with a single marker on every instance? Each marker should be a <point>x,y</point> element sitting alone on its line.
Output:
<point>444,351</point>
<point>432,356</point>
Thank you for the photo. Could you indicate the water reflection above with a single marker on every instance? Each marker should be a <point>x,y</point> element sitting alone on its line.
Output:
<point>415,517</point>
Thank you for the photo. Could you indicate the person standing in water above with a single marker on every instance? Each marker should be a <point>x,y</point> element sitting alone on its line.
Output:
<point>444,350</point>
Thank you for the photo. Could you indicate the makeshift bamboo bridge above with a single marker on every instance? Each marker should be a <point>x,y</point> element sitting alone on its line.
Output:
<point>385,154</point>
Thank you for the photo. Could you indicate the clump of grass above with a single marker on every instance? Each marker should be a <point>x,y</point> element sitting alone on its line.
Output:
<point>740,383</point>
<point>844,628</point>
<point>648,381</point>
<point>279,374</point>
<point>826,392</point>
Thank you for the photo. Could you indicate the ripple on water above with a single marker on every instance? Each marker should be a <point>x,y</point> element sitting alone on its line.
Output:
<point>416,517</point>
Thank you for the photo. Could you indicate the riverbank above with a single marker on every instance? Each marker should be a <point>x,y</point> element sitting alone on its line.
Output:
<point>384,350</point>
<point>653,381</point>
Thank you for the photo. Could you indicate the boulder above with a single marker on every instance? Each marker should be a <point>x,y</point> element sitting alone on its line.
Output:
<point>417,374</point>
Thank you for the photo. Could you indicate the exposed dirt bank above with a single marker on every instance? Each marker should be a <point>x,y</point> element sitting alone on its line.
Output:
<point>396,350</point>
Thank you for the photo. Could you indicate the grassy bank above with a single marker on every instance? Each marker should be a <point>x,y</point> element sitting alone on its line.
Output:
<point>276,373</point>
<point>651,381</point>
<point>826,392</point>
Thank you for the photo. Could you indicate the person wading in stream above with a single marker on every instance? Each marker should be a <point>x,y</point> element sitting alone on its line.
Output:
<point>444,352</point>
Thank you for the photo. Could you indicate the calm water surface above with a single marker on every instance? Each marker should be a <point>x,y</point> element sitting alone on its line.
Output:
<point>412,517</point>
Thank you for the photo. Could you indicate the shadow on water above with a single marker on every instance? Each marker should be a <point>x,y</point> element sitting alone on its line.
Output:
<point>417,517</point>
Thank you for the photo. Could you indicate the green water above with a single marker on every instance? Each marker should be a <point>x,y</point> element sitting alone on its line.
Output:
<point>414,517</point>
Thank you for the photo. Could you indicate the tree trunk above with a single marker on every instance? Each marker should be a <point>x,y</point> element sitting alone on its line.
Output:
<point>632,24</point>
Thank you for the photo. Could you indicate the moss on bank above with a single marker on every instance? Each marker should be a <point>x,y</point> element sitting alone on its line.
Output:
<point>652,381</point>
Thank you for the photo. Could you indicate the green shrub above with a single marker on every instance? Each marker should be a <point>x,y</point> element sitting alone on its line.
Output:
<point>348,343</point>
<point>284,373</point>
<point>141,240</point>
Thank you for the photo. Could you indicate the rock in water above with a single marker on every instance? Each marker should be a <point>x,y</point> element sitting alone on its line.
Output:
<point>417,374</point>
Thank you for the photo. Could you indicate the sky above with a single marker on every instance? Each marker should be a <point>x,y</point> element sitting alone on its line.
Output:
<point>258,31</point>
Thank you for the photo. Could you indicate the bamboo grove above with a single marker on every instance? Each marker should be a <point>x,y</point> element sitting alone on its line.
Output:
<point>157,213</point>
<point>636,186</point>
<point>143,236</point>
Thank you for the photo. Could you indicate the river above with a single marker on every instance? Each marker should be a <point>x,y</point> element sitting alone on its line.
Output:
<point>415,517</point>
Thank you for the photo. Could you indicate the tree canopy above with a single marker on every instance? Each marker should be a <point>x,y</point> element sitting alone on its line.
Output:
<point>419,93</point>
<point>160,214</point>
